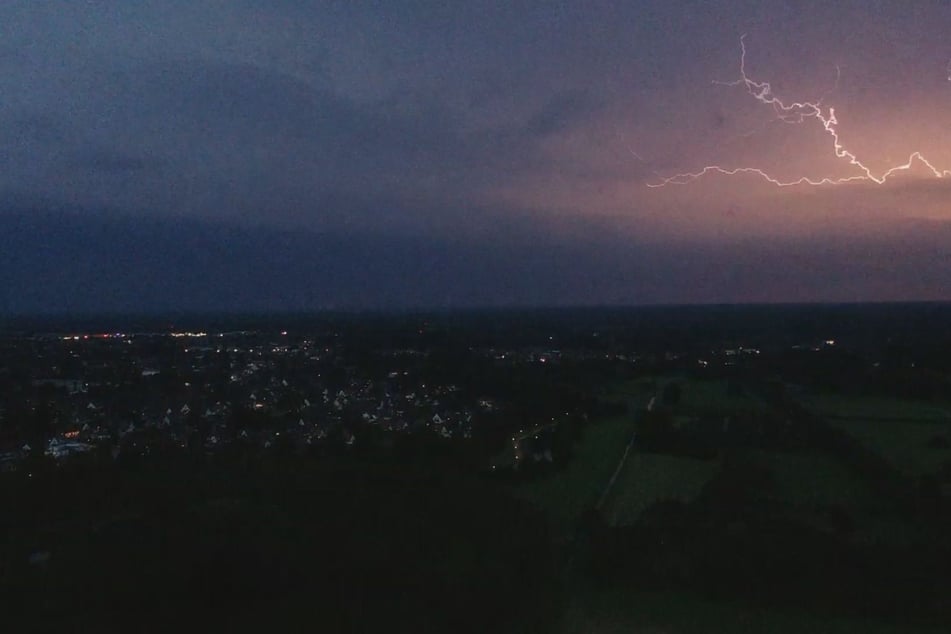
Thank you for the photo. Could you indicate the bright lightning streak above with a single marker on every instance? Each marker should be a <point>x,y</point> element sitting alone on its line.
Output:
<point>795,113</point>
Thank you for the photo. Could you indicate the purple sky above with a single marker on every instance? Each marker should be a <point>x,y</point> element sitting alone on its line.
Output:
<point>514,139</point>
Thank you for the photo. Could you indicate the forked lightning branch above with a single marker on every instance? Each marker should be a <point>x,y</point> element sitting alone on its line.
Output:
<point>800,112</point>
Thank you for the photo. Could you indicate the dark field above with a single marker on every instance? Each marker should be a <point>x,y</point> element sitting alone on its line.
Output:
<point>724,469</point>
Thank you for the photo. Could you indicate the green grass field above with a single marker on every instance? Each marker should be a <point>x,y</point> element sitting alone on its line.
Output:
<point>650,477</point>
<point>564,495</point>
<point>697,397</point>
<point>814,479</point>
<point>904,445</point>
<point>897,430</point>
<point>875,408</point>
<point>714,397</point>
<point>808,485</point>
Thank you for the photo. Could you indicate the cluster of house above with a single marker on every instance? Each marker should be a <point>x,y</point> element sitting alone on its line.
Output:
<point>209,391</point>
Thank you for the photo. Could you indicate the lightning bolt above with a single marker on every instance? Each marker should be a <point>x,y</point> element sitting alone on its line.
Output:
<point>635,154</point>
<point>627,145</point>
<point>798,112</point>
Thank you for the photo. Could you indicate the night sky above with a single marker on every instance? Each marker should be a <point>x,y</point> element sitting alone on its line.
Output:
<point>289,155</point>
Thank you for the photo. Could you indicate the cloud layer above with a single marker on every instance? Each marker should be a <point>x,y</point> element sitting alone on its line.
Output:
<point>510,136</point>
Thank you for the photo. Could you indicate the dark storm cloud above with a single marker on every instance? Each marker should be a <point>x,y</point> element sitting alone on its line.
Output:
<point>106,161</point>
<point>256,121</point>
<point>516,133</point>
<point>68,262</point>
<point>34,128</point>
<point>352,102</point>
<point>562,112</point>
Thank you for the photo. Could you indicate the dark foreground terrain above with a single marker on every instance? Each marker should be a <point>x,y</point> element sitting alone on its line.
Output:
<point>780,469</point>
